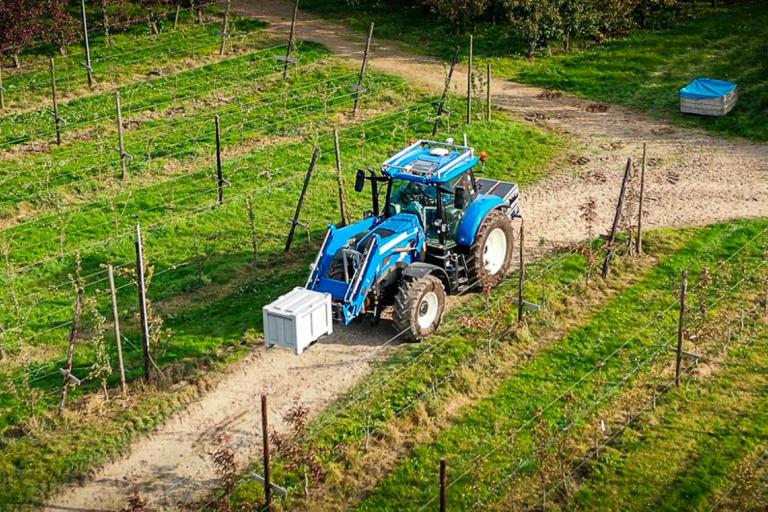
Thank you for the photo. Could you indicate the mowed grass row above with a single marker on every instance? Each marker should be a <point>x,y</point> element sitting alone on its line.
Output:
<point>194,248</point>
<point>132,55</point>
<point>148,93</point>
<point>183,141</point>
<point>643,70</point>
<point>565,455</point>
<point>685,454</point>
<point>493,441</point>
<point>211,305</point>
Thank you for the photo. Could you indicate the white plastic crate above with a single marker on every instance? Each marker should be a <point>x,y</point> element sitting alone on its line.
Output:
<point>297,319</point>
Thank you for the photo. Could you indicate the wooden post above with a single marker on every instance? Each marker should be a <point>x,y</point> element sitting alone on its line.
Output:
<point>639,240</point>
<point>359,87</point>
<point>252,224</point>
<point>469,80</point>
<point>142,298</point>
<point>225,32</point>
<point>290,39</point>
<point>617,218</point>
<point>56,118</point>
<point>120,137</point>
<point>199,12</point>
<point>2,89</point>
<point>265,441</point>
<point>446,90</point>
<point>340,178</point>
<point>88,66</point>
<point>488,93</point>
<point>443,498</point>
<point>116,321</point>
<point>176,18</point>
<point>219,169</point>
<point>295,221</point>
<point>681,327</point>
<point>521,280</point>
<point>71,352</point>
<point>765,303</point>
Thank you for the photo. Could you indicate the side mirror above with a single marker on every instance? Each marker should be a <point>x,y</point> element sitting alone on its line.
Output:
<point>459,198</point>
<point>360,180</point>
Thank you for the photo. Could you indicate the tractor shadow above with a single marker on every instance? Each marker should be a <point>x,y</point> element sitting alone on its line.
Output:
<point>362,333</point>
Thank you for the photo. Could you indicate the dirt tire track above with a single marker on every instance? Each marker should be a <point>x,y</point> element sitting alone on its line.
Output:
<point>694,179</point>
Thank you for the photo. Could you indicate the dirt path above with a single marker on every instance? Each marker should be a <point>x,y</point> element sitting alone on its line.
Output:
<point>692,179</point>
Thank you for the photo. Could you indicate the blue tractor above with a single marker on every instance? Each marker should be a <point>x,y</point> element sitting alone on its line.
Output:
<point>441,230</point>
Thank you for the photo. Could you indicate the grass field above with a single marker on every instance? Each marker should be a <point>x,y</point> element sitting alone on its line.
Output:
<point>66,213</point>
<point>644,70</point>
<point>134,54</point>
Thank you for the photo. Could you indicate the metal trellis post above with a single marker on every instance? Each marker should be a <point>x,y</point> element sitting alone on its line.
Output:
<point>88,66</point>
<point>359,86</point>
<point>56,118</point>
<point>120,137</point>
<point>444,98</point>
<point>116,321</point>
<point>139,245</point>
<point>639,240</point>
<point>340,178</point>
<point>219,169</point>
<point>469,80</point>
<point>290,39</point>
<point>295,220</point>
<point>617,219</point>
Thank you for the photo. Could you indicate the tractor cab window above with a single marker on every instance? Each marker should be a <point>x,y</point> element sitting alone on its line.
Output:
<point>421,200</point>
<point>411,197</point>
<point>453,215</point>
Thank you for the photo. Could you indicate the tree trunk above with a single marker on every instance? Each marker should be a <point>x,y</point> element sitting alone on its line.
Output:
<point>567,41</point>
<point>62,51</point>
<point>153,23</point>
<point>105,20</point>
<point>16,59</point>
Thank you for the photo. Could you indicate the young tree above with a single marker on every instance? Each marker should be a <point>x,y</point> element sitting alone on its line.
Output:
<point>58,28</point>
<point>154,6</point>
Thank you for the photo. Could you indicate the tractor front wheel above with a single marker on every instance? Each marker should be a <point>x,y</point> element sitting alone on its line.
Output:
<point>492,253</point>
<point>419,306</point>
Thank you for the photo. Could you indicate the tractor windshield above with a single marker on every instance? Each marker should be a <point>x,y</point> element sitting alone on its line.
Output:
<point>411,197</point>
<point>421,200</point>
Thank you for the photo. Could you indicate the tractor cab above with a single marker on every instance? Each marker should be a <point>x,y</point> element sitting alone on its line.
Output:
<point>434,183</point>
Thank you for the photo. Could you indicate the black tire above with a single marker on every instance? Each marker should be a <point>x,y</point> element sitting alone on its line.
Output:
<point>411,314</point>
<point>482,274</point>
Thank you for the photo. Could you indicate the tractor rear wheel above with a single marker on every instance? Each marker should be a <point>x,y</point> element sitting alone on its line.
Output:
<point>492,253</point>
<point>419,306</point>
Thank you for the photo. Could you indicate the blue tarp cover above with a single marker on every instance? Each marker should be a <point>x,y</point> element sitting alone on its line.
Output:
<point>706,88</point>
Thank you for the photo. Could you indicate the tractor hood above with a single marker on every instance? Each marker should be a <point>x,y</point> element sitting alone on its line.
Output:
<point>393,232</point>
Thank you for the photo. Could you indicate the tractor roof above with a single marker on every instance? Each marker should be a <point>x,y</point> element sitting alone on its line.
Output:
<point>427,161</point>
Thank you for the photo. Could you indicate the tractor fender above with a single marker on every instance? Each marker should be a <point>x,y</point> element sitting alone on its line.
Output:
<point>475,215</point>
<point>420,269</point>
